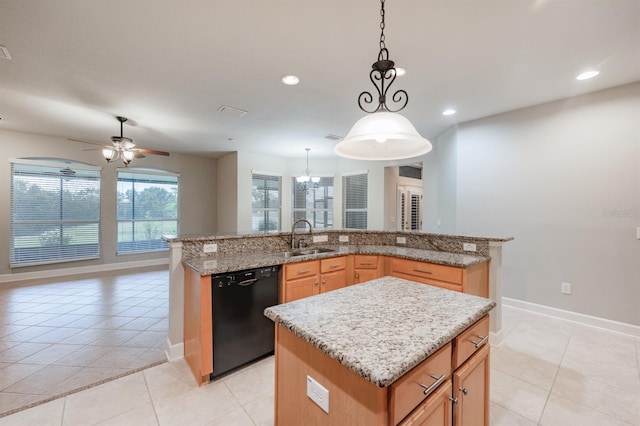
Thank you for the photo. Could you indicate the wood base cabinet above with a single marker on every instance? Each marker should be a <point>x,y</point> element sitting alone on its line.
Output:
<point>435,411</point>
<point>366,268</point>
<point>471,391</point>
<point>306,279</point>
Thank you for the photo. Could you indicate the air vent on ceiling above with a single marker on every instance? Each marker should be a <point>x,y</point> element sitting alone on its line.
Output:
<point>236,111</point>
<point>4,53</point>
<point>333,137</point>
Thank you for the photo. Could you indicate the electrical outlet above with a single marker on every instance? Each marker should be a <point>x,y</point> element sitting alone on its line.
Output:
<point>210,248</point>
<point>565,288</point>
<point>401,240</point>
<point>468,247</point>
<point>345,238</point>
<point>320,238</point>
<point>318,394</point>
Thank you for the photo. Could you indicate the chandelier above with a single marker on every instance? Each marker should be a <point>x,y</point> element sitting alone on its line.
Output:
<point>306,181</point>
<point>383,134</point>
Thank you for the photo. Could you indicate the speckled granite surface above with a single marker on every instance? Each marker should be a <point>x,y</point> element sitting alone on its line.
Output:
<point>383,328</point>
<point>221,263</point>
<point>192,245</point>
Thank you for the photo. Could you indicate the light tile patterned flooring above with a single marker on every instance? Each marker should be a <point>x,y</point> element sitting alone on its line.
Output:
<point>545,372</point>
<point>58,335</point>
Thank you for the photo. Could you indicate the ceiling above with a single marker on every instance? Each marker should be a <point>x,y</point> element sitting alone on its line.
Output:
<point>169,65</point>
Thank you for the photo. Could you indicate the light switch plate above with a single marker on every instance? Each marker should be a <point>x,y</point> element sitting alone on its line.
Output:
<point>318,394</point>
<point>468,247</point>
<point>345,238</point>
<point>320,238</point>
<point>210,248</point>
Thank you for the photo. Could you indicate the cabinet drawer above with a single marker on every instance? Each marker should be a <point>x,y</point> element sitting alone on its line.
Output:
<point>470,340</point>
<point>427,270</point>
<point>436,410</point>
<point>365,262</point>
<point>333,264</point>
<point>416,385</point>
<point>302,269</point>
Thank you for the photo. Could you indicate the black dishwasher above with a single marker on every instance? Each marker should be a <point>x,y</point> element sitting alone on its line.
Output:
<point>241,332</point>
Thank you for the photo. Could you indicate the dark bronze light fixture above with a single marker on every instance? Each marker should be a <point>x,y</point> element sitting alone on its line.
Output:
<point>383,134</point>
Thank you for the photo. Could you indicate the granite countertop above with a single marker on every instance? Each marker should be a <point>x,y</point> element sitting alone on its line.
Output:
<point>382,328</point>
<point>221,263</point>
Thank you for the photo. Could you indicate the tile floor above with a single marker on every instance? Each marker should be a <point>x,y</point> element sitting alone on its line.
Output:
<point>57,336</point>
<point>545,372</point>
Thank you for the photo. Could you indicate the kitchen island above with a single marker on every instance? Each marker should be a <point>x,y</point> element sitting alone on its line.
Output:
<point>386,352</point>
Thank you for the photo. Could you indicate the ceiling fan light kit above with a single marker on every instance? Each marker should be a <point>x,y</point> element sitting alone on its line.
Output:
<point>383,134</point>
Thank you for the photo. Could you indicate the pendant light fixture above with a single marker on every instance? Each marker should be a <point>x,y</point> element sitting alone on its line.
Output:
<point>306,181</point>
<point>383,134</point>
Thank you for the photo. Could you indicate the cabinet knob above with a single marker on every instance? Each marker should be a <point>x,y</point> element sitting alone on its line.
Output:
<point>454,400</point>
<point>464,391</point>
<point>357,276</point>
<point>324,282</point>
<point>316,283</point>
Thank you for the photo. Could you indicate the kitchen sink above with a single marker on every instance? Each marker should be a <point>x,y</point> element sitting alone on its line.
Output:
<point>307,251</point>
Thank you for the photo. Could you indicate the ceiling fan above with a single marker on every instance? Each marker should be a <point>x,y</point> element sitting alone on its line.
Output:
<point>123,147</point>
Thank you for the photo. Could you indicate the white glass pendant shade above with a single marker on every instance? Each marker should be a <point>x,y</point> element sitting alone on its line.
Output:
<point>108,154</point>
<point>302,179</point>
<point>315,179</point>
<point>127,156</point>
<point>382,136</point>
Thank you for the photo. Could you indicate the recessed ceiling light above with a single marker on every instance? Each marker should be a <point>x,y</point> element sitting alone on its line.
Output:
<point>290,80</point>
<point>449,111</point>
<point>587,75</point>
<point>400,71</point>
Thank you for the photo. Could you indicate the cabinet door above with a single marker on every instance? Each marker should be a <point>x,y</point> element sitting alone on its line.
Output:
<point>434,411</point>
<point>471,389</point>
<point>333,280</point>
<point>300,288</point>
<point>362,275</point>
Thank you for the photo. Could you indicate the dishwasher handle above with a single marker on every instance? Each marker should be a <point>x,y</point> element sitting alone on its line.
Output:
<point>248,282</point>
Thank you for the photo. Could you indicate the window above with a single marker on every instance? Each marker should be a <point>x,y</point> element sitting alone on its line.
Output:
<point>315,204</point>
<point>55,212</point>
<point>354,201</point>
<point>265,202</point>
<point>147,203</point>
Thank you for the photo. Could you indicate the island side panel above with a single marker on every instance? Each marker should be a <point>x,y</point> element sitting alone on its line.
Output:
<point>198,333</point>
<point>352,399</point>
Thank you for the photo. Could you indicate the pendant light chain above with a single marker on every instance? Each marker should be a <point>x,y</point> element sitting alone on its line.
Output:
<point>382,45</point>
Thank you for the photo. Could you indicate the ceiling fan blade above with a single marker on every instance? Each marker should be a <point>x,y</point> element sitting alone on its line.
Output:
<point>139,155</point>
<point>151,151</point>
<point>91,143</point>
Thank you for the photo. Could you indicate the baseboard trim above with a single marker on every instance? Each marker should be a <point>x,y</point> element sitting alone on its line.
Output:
<point>174,352</point>
<point>21,276</point>
<point>615,326</point>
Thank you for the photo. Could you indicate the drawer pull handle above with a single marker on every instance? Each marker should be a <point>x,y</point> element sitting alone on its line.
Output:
<point>337,265</point>
<point>438,382</point>
<point>304,271</point>
<point>366,263</point>
<point>422,271</point>
<point>482,341</point>
<point>464,391</point>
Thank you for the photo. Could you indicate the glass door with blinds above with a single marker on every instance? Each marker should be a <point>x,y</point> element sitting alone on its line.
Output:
<point>410,208</point>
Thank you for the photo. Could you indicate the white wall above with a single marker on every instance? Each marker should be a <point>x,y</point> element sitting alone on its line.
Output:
<point>564,179</point>
<point>227,191</point>
<point>447,155</point>
<point>197,202</point>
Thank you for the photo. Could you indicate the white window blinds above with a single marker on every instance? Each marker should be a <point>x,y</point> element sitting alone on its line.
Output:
<point>354,201</point>
<point>265,202</point>
<point>147,205</point>
<point>55,212</point>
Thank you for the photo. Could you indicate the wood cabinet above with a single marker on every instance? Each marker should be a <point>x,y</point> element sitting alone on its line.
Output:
<point>471,391</point>
<point>198,333</point>
<point>304,279</point>
<point>366,268</point>
<point>436,392</point>
<point>473,279</point>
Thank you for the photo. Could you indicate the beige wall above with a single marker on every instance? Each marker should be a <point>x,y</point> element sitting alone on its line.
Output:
<point>197,197</point>
<point>563,179</point>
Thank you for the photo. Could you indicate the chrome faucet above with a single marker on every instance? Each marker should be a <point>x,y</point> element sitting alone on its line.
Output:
<point>293,230</point>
